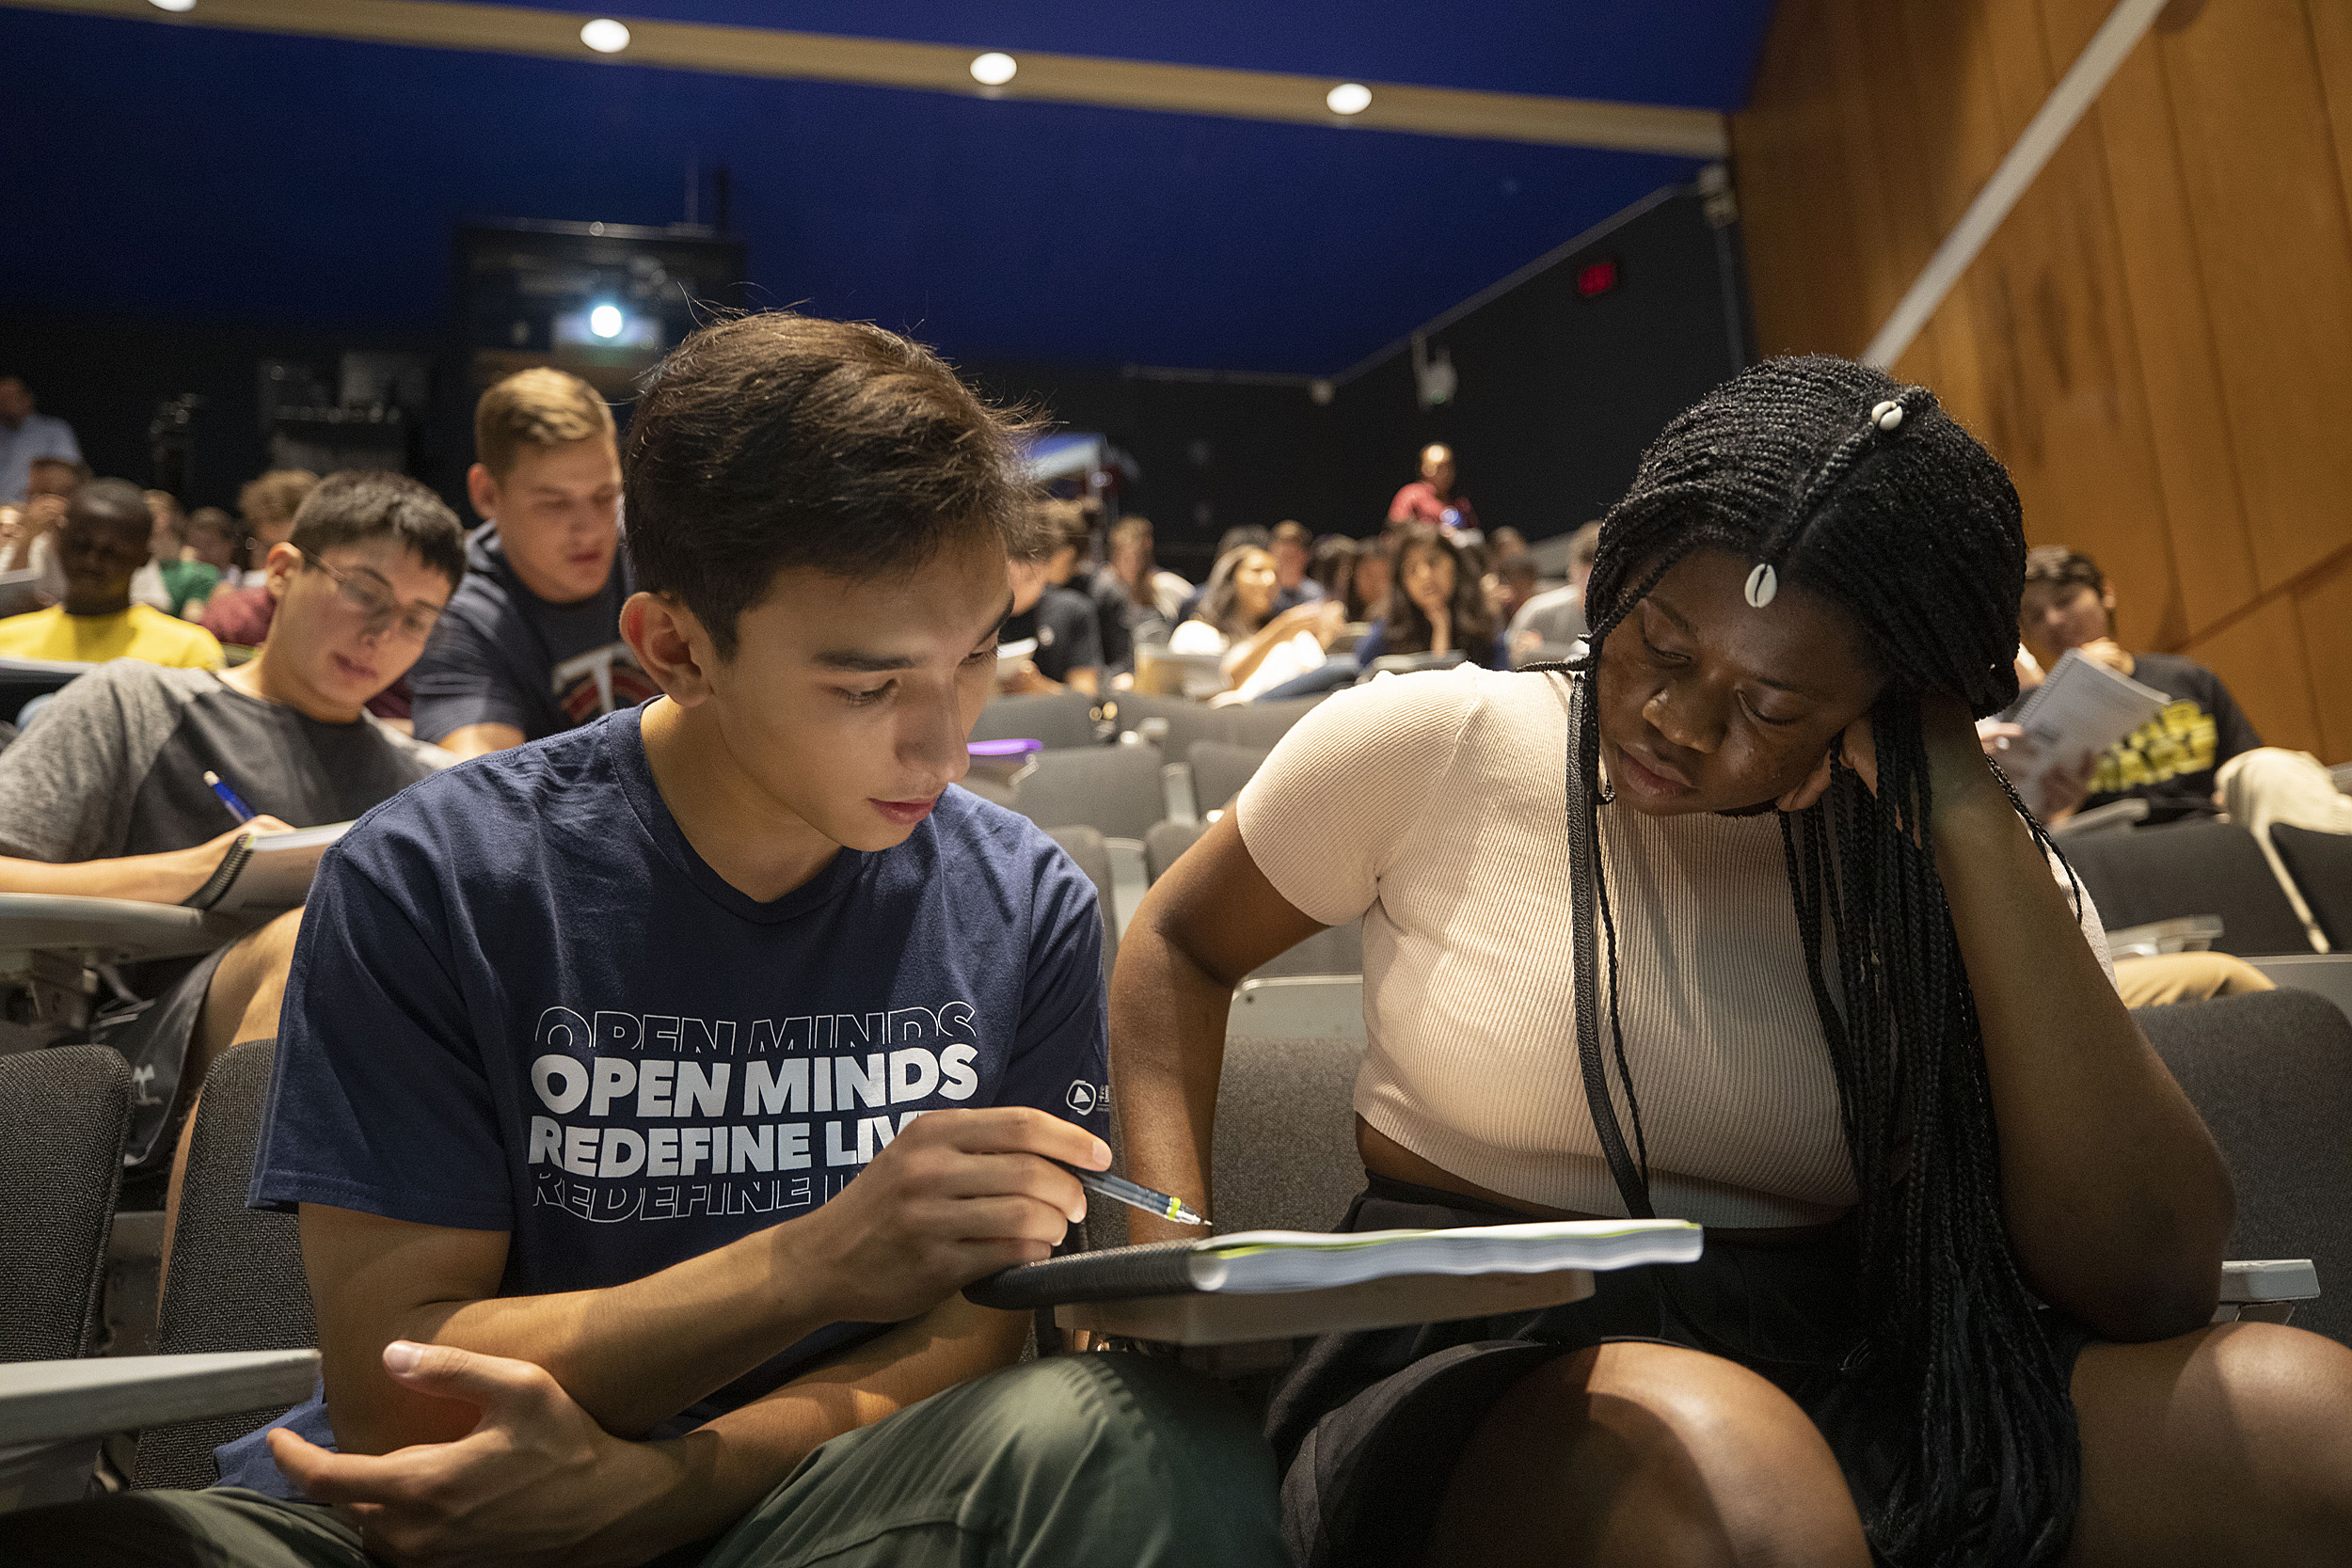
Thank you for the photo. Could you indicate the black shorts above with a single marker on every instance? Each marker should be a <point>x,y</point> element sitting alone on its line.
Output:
<point>153,1037</point>
<point>1367,1424</point>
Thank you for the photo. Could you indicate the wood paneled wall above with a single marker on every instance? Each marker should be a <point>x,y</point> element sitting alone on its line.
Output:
<point>2158,340</point>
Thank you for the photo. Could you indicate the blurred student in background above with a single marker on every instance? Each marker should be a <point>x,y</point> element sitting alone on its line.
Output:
<point>532,644</point>
<point>1555,619</point>
<point>170,581</point>
<point>1053,639</point>
<point>1334,572</point>
<point>1293,551</point>
<point>100,549</point>
<point>1261,647</point>
<point>105,797</point>
<point>1437,607</point>
<point>215,541</point>
<point>1134,591</point>
<point>1375,574</point>
<point>241,615</point>
<point>1431,498</point>
<point>28,435</point>
<point>2171,761</point>
<point>30,541</point>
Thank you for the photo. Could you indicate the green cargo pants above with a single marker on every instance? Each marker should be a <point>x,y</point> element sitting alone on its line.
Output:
<point>1064,1463</point>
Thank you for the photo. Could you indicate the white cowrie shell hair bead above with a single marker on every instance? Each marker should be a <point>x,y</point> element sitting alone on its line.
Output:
<point>1888,415</point>
<point>1762,584</point>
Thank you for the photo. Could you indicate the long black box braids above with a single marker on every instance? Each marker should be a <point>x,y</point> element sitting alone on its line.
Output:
<point>1835,476</point>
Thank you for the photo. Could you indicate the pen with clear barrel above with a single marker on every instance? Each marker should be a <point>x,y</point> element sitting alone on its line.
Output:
<point>1135,1196</point>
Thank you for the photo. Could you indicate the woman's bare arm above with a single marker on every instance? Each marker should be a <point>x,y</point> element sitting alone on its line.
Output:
<point>2117,1199</point>
<point>1210,919</point>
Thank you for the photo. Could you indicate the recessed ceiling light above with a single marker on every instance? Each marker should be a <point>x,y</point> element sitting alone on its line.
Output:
<point>605,35</point>
<point>1349,98</point>
<point>992,70</point>
<point>173,5</point>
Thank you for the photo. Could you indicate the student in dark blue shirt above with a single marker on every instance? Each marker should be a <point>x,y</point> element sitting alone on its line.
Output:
<point>648,1093</point>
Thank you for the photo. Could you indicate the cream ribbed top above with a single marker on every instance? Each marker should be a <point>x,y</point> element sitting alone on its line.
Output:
<point>1434,805</point>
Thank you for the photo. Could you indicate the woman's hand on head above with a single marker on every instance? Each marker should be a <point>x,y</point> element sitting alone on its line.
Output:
<point>1945,724</point>
<point>1859,751</point>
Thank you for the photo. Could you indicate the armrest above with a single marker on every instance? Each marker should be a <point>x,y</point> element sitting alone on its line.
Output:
<point>2266,1290</point>
<point>2272,1279</point>
<point>2114,816</point>
<point>1176,789</point>
<point>2188,933</point>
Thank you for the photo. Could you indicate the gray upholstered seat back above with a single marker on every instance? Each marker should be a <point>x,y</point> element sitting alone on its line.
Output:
<point>235,1280</point>
<point>63,1115</point>
<point>1113,789</point>
<point>1085,846</point>
<point>1057,719</point>
<point>2271,1073</point>
<point>2184,868</point>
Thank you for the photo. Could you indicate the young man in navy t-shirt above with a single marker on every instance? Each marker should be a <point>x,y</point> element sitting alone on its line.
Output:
<point>648,1093</point>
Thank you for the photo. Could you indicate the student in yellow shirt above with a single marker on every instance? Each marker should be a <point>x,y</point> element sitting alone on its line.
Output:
<point>104,541</point>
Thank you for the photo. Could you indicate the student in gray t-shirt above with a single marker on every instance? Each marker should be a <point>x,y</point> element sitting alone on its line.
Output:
<point>104,794</point>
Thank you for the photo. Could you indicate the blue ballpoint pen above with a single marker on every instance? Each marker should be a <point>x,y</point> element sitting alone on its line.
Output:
<point>237,808</point>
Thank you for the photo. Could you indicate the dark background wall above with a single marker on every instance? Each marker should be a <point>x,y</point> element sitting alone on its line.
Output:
<point>1558,396</point>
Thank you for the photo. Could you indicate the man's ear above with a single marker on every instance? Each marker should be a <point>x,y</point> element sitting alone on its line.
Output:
<point>671,645</point>
<point>278,567</point>
<point>481,489</point>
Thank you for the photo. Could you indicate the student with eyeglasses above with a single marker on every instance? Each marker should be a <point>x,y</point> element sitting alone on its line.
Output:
<point>105,794</point>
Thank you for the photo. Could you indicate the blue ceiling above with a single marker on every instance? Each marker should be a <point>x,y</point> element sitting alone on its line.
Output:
<point>194,173</point>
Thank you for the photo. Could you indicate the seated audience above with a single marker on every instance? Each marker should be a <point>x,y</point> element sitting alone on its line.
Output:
<point>1505,542</point>
<point>1735,925</point>
<point>1136,593</point>
<point>1053,639</point>
<point>531,646</point>
<point>1437,605</point>
<point>1555,619</point>
<point>1261,648</point>
<point>100,547</point>
<point>105,796</point>
<point>168,582</point>
<point>241,614</point>
<point>31,541</point>
<point>1293,551</point>
<point>568,1313</point>
<point>1431,499</point>
<point>26,437</point>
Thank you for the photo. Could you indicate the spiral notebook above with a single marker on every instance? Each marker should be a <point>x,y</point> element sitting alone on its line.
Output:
<point>1265,1263</point>
<point>267,871</point>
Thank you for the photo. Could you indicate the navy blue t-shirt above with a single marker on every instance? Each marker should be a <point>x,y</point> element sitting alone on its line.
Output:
<point>521,1001</point>
<point>502,654</point>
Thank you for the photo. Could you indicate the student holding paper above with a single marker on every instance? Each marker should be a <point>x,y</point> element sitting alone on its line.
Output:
<point>105,796</point>
<point>1735,925</point>
<point>2172,761</point>
<point>649,1092</point>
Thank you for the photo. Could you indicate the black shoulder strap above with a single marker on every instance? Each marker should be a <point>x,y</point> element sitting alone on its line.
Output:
<point>1583,857</point>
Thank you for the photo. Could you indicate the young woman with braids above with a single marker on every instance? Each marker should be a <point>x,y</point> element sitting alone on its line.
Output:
<point>1964,1231</point>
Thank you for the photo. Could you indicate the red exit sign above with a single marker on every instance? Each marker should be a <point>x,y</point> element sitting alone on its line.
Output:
<point>1595,278</point>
